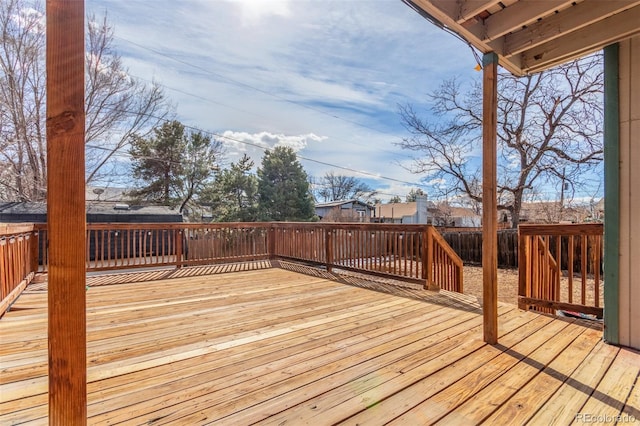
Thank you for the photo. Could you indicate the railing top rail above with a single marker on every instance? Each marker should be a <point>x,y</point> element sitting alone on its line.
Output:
<point>561,229</point>
<point>214,225</point>
<point>352,226</point>
<point>177,225</point>
<point>447,248</point>
<point>7,229</point>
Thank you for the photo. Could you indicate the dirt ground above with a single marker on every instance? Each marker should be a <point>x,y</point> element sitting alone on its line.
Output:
<point>507,283</point>
<point>508,286</point>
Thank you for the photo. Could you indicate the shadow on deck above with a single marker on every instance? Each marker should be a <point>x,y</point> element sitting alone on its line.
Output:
<point>295,345</point>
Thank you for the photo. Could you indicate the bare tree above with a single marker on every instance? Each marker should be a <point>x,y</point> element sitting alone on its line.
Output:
<point>442,214</point>
<point>549,129</point>
<point>335,187</point>
<point>117,105</point>
<point>22,103</point>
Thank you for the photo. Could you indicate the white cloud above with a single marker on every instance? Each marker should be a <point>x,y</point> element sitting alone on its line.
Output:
<point>266,140</point>
<point>253,11</point>
<point>254,144</point>
<point>438,182</point>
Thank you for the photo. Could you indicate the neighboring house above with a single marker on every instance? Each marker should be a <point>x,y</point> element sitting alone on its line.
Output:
<point>555,212</point>
<point>97,213</point>
<point>443,214</point>
<point>597,211</point>
<point>344,211</point>
<point>412,212</point>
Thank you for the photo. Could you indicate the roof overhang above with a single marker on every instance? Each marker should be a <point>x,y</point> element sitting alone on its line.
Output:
<point>532,35</point>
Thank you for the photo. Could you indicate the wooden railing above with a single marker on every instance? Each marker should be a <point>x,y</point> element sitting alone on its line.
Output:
<point>18,261</point>
<point>560,268</point>
<point>446,265</point>
<point>224,242</point>
<point>415,253</point>
<point>112,246</point>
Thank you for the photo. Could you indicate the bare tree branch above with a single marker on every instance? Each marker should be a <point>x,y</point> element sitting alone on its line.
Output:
<point>117,106</point>
<point>547,122</point>
<point>333,187</point>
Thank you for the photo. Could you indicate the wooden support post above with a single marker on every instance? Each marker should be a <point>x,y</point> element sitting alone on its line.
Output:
<point>271,235</point>
<point>34,244</point>
<point>179,236</point>
<point>427,259</point>
<point>328,246</point>
<point>524,270</point>
<point>66,216</point>
<point>489,197</point>
<point>612,201</point>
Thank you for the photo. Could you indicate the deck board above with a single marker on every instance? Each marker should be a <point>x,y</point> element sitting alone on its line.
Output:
<point>542,345</point>
<point>277,346</point>
<point>610,396</point>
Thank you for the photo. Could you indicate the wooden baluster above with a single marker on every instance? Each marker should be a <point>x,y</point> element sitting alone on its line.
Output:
<point>109,257</point>
<point>559,268</point>
<point>583,267</point>
<point>427,257</point>
<point>535,268</point>
<point>179,249</point>
<point>596,269</point>
<point>570,253</point>
<point>359,248</point>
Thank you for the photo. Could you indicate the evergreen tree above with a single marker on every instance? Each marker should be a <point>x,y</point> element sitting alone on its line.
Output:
<point>199,164</point>
<point>234,194</point>
<point>284,188</point>
<point>413,194</point>
<point>172,166</point>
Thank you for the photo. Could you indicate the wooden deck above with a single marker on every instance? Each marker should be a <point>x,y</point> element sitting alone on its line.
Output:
<point>280,347</point>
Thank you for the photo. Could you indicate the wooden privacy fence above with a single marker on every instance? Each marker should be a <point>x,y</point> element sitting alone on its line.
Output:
<point>468,244</point>
<point>560,268</point>
<point>18,261</point>
<point>415,253</point>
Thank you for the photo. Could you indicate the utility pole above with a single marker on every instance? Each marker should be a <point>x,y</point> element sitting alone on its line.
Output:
<point>562,189</point>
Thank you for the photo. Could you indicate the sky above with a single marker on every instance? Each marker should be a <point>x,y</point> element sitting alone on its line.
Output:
<point>323,77</point>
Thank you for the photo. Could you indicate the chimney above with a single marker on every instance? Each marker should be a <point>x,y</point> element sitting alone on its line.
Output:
<point>421,209</point>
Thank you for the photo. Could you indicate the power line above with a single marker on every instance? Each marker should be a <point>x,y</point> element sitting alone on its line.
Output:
<point>443,27</point>
<point>237,109</point>
<point>248,86</point>
<point>196,96</point>
<point>262,148</point>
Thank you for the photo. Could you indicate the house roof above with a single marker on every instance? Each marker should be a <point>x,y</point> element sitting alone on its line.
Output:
<point>462,212</point>
<point>393,210</point>
<point>532,35</point>
<point>342,202</point>
<point>15,208</point>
